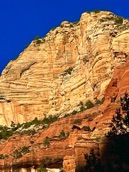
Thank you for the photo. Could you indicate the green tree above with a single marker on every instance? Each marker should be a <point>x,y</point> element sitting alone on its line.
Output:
<point>46,141</point>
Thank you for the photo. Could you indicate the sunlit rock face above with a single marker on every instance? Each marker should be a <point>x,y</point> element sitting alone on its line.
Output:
<point>73,63</point>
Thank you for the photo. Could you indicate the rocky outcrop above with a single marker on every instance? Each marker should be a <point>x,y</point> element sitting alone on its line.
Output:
<point>67,152</point>
<point>22,152</point>
<point>73,63</point>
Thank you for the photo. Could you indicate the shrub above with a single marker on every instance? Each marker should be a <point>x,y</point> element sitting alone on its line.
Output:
<point>77,121</point>
<point>36,37</point>
<point>17,154</point>
<point>27,125</point>
<point>42,168</point>
<point>50,119</point>
<point>29,132</point>
<point>5,133</point>
<point>21,151</point>
<point>62,134</point>
<point>86,128</point>
<point>2,156</point>
<point>46,142</point>
<point>99,102</point>
<point>68,71</point>
<point>96,11</point>
<point>74,112</point>
<point>93,162</point>
<point>25,149</point>
<point>82,108</point>
<point>118,20</point>
<point>38,41</point>
<point>89,104</point>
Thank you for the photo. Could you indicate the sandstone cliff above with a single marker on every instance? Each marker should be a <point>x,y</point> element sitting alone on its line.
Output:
<point>74,62</point>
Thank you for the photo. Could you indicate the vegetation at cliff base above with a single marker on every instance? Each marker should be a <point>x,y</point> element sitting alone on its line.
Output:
<point>29,128</point>
<point>84,106</point>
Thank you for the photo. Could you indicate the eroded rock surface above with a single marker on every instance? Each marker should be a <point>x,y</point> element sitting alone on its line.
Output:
<point>73,63</point>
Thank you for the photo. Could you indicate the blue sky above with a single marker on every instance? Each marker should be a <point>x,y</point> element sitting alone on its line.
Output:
<point>22,20</point>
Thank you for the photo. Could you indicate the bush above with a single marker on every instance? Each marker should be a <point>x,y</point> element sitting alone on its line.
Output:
<point>68,71</point>
<point>27,125</point>
<point>93,162</point>
<point>42,168</point>
<point>5,133</point>
<point>38,41</point>
<point>89,104</point>
<point>99,102</point>
<point>118,20</point>
<point>17,154</point>
<point>82,108</point>
<point>62,134</point>
<point>77,121</point>
<point>25,150</point>
<point>74,112</point>
<point>36,37</point>
<point>2,156</point>
<point>86,128</point>
<point>50,119</point>
<point>46,142</point>
<point>96,11</point>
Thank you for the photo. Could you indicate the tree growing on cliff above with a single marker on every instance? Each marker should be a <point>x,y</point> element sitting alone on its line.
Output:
<point>118,147</point>
<point>93,163</point>
<point>120,121</point>
<point>46,141</point>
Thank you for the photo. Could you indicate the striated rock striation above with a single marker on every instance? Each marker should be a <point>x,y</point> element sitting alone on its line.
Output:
<point>74,62</point>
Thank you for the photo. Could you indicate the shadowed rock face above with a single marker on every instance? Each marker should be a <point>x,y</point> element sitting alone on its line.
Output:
<point>73,63</point>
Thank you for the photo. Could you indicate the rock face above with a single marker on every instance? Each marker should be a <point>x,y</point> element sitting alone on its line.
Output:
<point>74,62</point>
<point>67,152</point>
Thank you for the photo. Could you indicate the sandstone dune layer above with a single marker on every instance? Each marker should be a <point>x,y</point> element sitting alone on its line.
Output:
<point>73,63</point>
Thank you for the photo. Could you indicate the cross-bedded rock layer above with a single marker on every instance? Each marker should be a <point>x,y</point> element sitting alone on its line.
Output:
<point>73,63</point>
